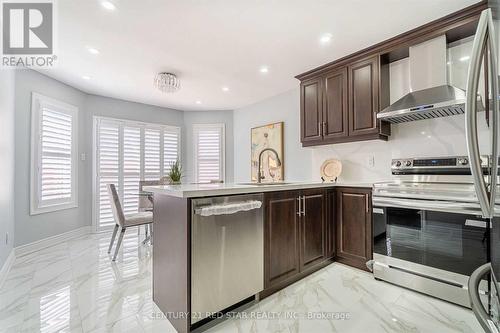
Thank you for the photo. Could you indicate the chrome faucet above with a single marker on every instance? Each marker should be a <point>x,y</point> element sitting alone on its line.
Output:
<point>259,173</point>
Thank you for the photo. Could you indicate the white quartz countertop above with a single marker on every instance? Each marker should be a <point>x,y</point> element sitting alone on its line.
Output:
<point>208,190</point>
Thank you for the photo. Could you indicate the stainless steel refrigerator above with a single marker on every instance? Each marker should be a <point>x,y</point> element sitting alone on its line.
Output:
<point>483,80</point>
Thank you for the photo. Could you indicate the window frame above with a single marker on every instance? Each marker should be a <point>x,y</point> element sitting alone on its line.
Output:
<point>36,206</point>
<point>196,129</point>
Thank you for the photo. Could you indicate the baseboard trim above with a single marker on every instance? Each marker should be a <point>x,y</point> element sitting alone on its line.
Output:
<point>6,267</point>
<point>51,241</point>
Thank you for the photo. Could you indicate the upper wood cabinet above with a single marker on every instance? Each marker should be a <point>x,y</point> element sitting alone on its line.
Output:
<point>311,115</point>
<point>363,97</point>
<point>341,105</point>
<point>335,120</point>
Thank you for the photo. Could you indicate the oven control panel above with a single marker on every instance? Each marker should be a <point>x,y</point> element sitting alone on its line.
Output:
<point>452,164</point>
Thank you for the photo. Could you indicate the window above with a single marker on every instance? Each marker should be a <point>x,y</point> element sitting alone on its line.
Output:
<point>209,152</point>
<point>127,152</point>
<point>54,153</point>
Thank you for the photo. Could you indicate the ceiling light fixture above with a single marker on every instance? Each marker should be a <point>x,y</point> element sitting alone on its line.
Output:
<point>465,58</point>
<point>108,5</point>
<point>325,38</point>
<point>86,77</point>
<point>225,89</point>
<point>93,50</point>
<point>167,82</point>
<point>264,69</point>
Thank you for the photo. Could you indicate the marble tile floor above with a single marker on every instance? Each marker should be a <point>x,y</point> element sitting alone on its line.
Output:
<point>74,287</point>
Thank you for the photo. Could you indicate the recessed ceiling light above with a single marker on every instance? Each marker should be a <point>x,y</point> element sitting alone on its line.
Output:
<point>264,69</point>
<point>198,102</point>
<point>108,5</point>
<point>225,89</point>
<point>93,50</point>
<point>325,38</point>
<point>465,58</point>
<point>86,77</point>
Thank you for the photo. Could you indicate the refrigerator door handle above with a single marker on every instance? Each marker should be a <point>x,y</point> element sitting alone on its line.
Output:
<point>475,300</point>
<point>471,113</point>
<point>493,67</point>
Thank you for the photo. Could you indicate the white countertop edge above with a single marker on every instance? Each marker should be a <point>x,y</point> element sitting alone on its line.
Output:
<point>208,190</point>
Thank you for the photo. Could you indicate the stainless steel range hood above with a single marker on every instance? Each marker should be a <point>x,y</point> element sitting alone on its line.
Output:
<point>428,103</point>
<point>432,95</point>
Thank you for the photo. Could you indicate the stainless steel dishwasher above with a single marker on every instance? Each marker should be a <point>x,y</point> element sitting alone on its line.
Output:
<point>227,252</point>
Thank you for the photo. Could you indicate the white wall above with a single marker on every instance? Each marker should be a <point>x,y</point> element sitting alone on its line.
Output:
<point>207,117</point>
<point>424,138</point>
<point>31,228</point>
<point>7,82</point>
<point>283,107</point>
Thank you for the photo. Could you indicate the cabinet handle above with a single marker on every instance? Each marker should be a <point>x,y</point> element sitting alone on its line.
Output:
<point>300,204</point>
<point>304,205</point>
<point>319,129</point>
<point>367,204</point>
<point>324,128</point>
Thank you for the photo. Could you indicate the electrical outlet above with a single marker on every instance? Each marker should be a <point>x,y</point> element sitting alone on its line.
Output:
<point>371,161</point>
<point>83,156</point>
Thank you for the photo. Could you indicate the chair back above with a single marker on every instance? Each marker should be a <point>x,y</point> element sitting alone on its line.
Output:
<point>116,206</point>
<point>144,202</point>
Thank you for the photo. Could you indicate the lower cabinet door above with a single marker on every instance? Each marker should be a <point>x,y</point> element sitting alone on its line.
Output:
<point>312,228</point>
<point>354,227</point>
<point>281,237</point>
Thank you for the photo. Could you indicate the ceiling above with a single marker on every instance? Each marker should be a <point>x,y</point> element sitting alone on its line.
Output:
<point>212,44</point>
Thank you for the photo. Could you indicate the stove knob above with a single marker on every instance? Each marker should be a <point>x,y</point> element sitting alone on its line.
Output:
<point>398,164</point>
<point>408,163</point>
<point>463,161</point>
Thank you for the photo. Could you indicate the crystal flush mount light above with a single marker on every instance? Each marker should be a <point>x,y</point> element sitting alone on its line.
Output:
<point>167,82</point>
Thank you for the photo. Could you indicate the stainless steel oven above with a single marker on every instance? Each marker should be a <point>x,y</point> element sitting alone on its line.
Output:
<point>428,232</point>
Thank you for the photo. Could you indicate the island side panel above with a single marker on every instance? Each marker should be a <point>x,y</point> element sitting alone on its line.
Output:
<point>171,259</point>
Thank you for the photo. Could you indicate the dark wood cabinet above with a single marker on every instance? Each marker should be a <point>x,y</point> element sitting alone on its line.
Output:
<point>363,97</point>
<point>281,236</point>
<point>312,228</point>
<point>330,225</point>
<point>354,227</point>
<point>294,236</point>
<point>311,110</point>
<point>306,230</point>
<point>335,109</point>
<point>341,105</point>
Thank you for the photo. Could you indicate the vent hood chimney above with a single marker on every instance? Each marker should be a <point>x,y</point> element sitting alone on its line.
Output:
<point>430,95</point>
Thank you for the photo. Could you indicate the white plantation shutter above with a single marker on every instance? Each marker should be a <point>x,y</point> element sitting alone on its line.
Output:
<point>152,156</point>
<point>127,152</point>
<point>108,161</point>
<point>209,152</point>
<point>54,155</point>
<point>131,168</point>
<point>171,143</point>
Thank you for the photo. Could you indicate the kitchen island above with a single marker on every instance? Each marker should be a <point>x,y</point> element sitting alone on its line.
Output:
<point>282,233</point>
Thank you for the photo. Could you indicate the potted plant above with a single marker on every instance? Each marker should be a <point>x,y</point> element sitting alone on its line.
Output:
<point>175,173</point>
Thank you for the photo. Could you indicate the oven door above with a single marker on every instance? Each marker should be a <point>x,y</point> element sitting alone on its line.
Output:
<point>443,235</point>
